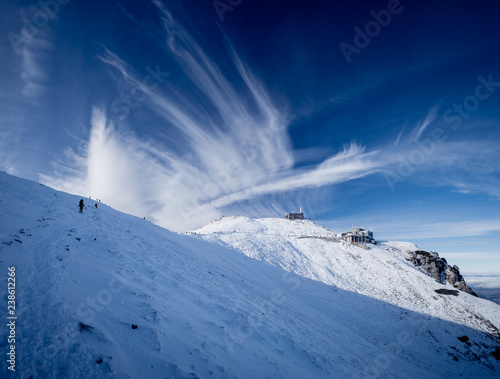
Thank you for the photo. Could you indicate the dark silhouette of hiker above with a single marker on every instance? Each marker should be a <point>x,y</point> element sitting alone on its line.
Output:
<point>80,205</point>
<point>96,205</point>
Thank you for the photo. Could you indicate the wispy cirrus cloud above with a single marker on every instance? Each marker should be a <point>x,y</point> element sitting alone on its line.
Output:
<point>34,55</point>
<point>431,116</point>
<point>431,154</point>
<point>225,147</point>
<point>418,229</point>
<point>465,165</point>
<point>180,193</point>
<point>351,163</point>
<point>232,147</point>
<point>424,223</point>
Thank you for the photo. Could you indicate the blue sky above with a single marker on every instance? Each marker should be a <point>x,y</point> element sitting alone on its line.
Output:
<point>366,113</point>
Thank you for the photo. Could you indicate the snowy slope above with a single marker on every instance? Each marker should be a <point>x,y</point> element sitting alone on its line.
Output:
<point>205,310</point>
<point>302,247</point>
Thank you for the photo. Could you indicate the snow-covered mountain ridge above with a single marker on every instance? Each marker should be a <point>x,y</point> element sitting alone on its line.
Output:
<point>384,271</point>
<point>205,310</point>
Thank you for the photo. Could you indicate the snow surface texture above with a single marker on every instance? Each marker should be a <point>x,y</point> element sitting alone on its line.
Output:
<point>296,304</point>
<point>382,272</point>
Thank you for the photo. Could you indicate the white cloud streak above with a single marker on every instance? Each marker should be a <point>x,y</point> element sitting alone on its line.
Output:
<point>409,227</point>
<point>231,148</point>
<point>240,152</point>
<point>431,116</point>
<point>349,164</point>
<point>34,56</point>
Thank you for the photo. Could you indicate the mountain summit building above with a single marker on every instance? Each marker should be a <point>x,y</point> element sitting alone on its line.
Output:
<point>359,235</point>
<point>294,216</point>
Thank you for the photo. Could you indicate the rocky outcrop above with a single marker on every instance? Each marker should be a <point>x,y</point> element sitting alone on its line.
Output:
<point>436,267</point>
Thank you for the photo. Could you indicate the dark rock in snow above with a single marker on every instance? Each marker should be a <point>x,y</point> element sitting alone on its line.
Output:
<point>463,339</point>
<point>436,267</point>
<point>444,291</point>
<point>83,327</point>
<point>134,326</point>
<point>496,354</point>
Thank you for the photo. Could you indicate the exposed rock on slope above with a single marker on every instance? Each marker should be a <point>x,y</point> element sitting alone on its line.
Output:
<point>436,267</point>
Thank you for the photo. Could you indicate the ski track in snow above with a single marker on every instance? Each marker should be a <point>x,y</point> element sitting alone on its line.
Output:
<point>239,299</point>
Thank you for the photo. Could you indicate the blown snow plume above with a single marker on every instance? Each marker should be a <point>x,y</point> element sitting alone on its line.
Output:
<point>225,147</point>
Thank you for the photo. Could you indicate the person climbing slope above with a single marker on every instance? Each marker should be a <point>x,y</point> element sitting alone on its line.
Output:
<point>80,205</point>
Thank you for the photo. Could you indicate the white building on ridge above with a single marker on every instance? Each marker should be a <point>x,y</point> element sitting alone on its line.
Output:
<point>359,235</point>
